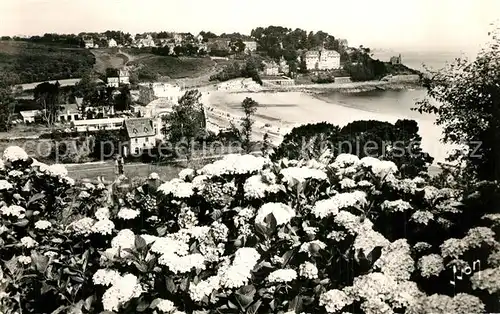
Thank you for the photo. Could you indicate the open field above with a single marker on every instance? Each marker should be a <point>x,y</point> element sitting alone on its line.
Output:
<point>108,58</point>
<point>176,67</point>
<point>25,62</point>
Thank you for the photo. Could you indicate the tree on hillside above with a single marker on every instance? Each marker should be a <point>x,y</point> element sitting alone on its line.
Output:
<point>249,108</point>
<point>309,141</point>
<point>123,101</point>
<point>47,95</point>
<point>7,107</point>
<point>468,93</point>
<point>237,45</point>
<point>186,122</point>
<point>87,89</point>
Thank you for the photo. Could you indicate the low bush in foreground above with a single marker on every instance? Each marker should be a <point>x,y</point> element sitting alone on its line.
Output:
<point>246,235</point>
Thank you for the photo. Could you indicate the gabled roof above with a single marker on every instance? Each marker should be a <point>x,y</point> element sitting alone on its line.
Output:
<point>30,113</point>
<point>140,127</point>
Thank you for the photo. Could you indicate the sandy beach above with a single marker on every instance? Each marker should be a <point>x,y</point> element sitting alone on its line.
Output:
<point>284,110</point>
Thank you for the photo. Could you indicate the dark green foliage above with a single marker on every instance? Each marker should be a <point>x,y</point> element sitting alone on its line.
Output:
<point>308,140</point>
<point>106,143</point>
<point>37,62</point>
<point>234,70</point>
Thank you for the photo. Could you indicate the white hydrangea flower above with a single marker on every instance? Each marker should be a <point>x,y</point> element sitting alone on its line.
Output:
<point>396,260</point>
<point>443,304</point>
<point>422,217</point>
<point>106,277</point>
<point>13,210</point>
<point>14,153</point>
<point>128,214</point>
<point>43,224</point>
<point>478,236</point>
<point>292,175</point>
<point>368,240</point>
<point>165,306</point>
<point>5,185</point>
<point>337,235</point>
<point>488,279</point>
<point>125,239</point>
<point>495,218</point>
<point>102,213</point>
<point>153,176</point>
<point>347,183</point>
<point>235,164</point>
<point>25,260</point>
<point>381,168</point>
<point>239,273</point>
<point>494,258</point>
<point>345,160</point>
<point>431,265</point>
<point>82,226</point>
<point>177,188</point>
<point>308,270</point>
<point>282,275</point>
<point>256,188</point>
<point>83,195</point>
<point>364,184</point>
<point>335,300</point>
<point>422,246</point>
<point>57,170</point>
<point>28,242</point>
<point>354,224</point>
<point>373,286</point>
<point>281,212</point>
<point>123,290</point>
<point>339,201</point>
<point>186,174</point>
<point>15,173</point>
<point>199,182</point>
<point>396,206</point>
<point>204,288</point>
<point>312,246</point>
<point>103,227</point>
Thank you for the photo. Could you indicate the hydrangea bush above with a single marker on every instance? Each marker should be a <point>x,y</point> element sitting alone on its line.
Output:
<point>246,235</point>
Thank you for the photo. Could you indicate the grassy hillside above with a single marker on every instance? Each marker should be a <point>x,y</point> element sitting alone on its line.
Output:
<point>26,62</point>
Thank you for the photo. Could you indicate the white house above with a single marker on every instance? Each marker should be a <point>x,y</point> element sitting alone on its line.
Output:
<point>29,116</point>
<point>322,59</point>
<point>68,113</point>
<point>98,124</point>
<point>141,133</point>
<point>113,82</point>
<point>250,45</point>
<point>112,43</point>
<point>123,77</point>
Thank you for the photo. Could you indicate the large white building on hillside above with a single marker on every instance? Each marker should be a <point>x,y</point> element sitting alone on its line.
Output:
<point>322,59</point>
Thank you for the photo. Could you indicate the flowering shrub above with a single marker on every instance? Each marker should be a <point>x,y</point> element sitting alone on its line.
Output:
<point>247,235</point>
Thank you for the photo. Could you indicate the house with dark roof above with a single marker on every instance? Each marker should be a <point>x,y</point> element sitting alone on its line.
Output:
<point>141,135</point>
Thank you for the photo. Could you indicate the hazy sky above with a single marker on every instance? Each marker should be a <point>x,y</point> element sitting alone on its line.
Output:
<point>397,24</point>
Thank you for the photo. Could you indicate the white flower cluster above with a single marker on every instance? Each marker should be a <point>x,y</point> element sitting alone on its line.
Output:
<point>312,247</point>
<point>431,265</point>
<point>106,277</point>
<point>443,304</point>
<point>335,300</point>
<point>240,271</point>
<point>494,218</point>
<point>339,201</point>
<point>102,213</point>
<point>234,164</point>
<point>123,289</point>
<point>5,185</point>
<point>422,217</point>
<point>28,242</point>
<point>104,227</point>
<point>368,240</point>
<point>380,168</point>
<point>494,258</point>
<point>475,238</point>
<point>57,170</point>
<point>14,211</point>
<point>256,188</point>
<point>43,224</point>
<point>187,218</point>
<point>25,260</point>
<point>347,183</point>
<point>293,175</point>
<point>488,279</point>
<point>337,236</point>
<point>282,276</point>
<point>174,254</point>
<point>345,160</point>
<point>82,226</point>
<point>281,212</point>
<point>396,206</point>
<point>354,224</point>
<point>187,174</point>
<point>199,182</point>
<point>177,188</point>
<point>14,153</point>
<point>308,270</point>
<point>373,287</point>
<point>421,246</point>
<point>128,214</point>
<point>396,260</point>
